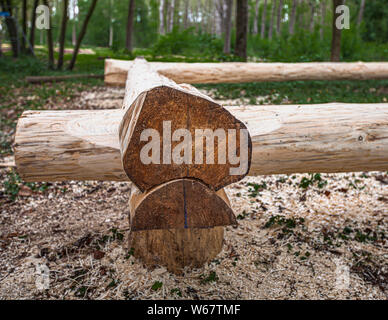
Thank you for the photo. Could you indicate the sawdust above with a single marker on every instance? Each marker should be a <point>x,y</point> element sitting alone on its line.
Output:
<point>326,241</point>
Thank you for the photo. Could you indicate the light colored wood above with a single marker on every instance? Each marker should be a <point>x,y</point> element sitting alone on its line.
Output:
<point>235,72</point>
<point>83,145</point>
<point>182,203</point>
<point>150,101</point>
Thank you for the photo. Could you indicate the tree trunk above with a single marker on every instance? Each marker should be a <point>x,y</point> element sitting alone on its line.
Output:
<point>312,13</point>
<point>62,34</point>
<point>241,29</point>
<point>291,26</point>
<point>131,12</point>
<point>161,17</point>
<point>228,25</point>
<point>323,17</point>
<point>263,18</point>
<point>10,21</point>
<point>256,18</point>
<point>50,45</point>
<point>74,29</point>
<point>279,17</point>
<point>271,23</point>
<point>186,15</point>
<point>60,145</point>
<point>24,26</point>
<point>32,31</point>
<point>336,34</point>
<point>361,13</point>
<point>82,34</point>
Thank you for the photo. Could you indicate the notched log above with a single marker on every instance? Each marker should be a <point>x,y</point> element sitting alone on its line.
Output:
<point>180,204</point>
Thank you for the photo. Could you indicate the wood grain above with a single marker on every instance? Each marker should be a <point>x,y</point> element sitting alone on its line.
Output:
<point>83,145</point>
<point>236,72</point>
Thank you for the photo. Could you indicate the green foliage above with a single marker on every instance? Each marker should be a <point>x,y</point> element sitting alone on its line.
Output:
<point>11,184</point>
<point>157,285</point>
<point>187,42</point>
<point>313,178</point>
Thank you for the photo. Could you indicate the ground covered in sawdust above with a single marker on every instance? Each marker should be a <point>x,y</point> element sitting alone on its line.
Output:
<point>299,237</point>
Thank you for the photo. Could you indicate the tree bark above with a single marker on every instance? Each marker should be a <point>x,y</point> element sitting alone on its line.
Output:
<point>241,29</point>
<point>361,13</point>
<point>312,13</point>
<point>336,137</point>
<point>50,44</point>
<point>32,30</point>
<point>10,22</point>
<point>82,34</point>
<point>228,25</point>
<point>279,17</point>
<point>131,12</point>
<point>271,23</point>
<point>263,19</point>
<point>256,18</point>
<point>62,34</point>
<point>323,17</point>
<point>291,26</point>
<point>186,15</point>
<point>161,17</point>
<point>24,26</point>
<point>336,34</point>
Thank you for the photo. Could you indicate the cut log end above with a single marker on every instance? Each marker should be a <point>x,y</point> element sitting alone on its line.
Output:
<point>180,204</point>
<point>176,249</point>
<point>166,111</point>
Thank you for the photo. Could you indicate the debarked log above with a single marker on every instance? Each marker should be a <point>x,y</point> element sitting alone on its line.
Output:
<point>237,72</point>
<point>84,145</point>
<point>156,108</point>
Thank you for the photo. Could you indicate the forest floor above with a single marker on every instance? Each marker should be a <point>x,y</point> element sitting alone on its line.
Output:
<point>322,236</point>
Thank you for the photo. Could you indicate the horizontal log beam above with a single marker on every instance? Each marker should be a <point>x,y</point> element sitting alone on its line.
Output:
<point>84,145</point>
<point>237,72</point>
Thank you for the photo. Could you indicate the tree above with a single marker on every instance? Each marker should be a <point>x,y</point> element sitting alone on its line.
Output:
<point>241,29</point>
<point>361,13</point>
<point>62,34</point>
<point>82,34</point>
<point>312,13</point>
<point>228,25</point>
<point>336,34</point>
<point>131,11</point>
<point>186,15</point>
<point>291,26</point>
<point>10,22</point>
<point>279,18</point>
<point>256,18</point>
<point>24,26</point>
<point>263,18</point>
<point>273,7</point>
<point>323,16</point>
<point>161,17</point>
<point>50,45</point>
<point>32,31</point>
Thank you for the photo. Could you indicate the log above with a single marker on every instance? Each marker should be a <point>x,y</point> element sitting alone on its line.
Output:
<point>44,79</point>
<point>237,72</point>
<point>177,248</point>
<point>83,145</point>
<point>179,204</point>
<point>156,104</point>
